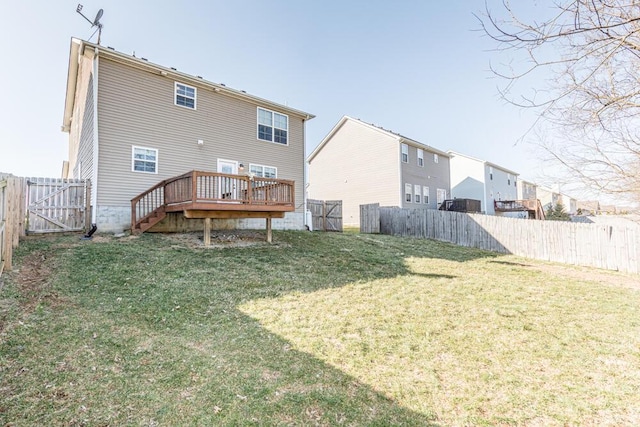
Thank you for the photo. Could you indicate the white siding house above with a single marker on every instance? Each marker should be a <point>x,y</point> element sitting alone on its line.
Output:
<point>477,179</point>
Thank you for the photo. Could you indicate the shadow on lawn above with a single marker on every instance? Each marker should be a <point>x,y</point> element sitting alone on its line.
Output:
<point>168,318</point>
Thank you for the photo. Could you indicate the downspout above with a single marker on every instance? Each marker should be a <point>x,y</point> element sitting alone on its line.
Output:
<point>484,187</point>
<point>305,177</point>
<point>96,151</point>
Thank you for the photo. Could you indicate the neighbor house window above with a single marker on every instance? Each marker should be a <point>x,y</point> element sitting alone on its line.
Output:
<point>436,159</point>
<point>185,96</point>
<point>508,179</point>
<point>416,193</point>
<point>263,171</point>
<point>441,195</point>
<point>404,148</point>
<point>490,173</point>
<point>420,157</point>
<point>272,126</point>
<point>407,193</point>
<point>425,195</point>
<point>144,160</point>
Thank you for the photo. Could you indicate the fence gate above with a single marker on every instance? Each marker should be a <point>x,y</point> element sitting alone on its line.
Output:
<point>56,205</point>
<point>326,215</point>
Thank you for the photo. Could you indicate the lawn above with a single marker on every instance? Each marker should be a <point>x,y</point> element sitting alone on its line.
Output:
<point>317,329</point>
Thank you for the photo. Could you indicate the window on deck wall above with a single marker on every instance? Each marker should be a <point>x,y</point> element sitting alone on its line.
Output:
<point>263,171</point>
<point>441,195</point>
<point>272,126</point>
<point>144,160</point>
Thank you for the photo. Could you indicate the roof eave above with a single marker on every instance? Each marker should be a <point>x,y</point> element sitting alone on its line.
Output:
<point>72,80</point>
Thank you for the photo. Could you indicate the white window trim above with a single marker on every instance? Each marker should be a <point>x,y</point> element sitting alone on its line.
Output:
<point>443,192</point>
<point>436,158</point>
<point>404,149</point>
<point>264,166</point>
<point>420,157</point>
<point>417,193</point>
<point>133,159</point>
<point>175,96</point>
<point>273,126</point>
<point>408,191</point>
<point>425,195</point>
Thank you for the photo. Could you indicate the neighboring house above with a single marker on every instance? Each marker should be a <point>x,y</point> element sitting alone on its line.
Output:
<point>132,124</point>
<point>473,178</point>
<point>360,163</point>
<point>588,207</point>
<point>549,197</point>
<point>569,203</point>
<point>527,190</point>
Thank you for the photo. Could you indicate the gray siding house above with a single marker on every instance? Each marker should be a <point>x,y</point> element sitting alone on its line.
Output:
<point>132,124</point>
<point>360,163</point>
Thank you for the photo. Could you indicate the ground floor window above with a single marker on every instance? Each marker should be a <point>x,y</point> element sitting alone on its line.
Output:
<point>144,159</point>
<point>441,195</point>
<point>408,194</point>
<point>416,193</point>
<point>263,171</point>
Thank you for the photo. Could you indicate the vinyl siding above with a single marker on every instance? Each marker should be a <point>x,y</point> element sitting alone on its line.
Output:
<point>468,180</point>
<point>136,108</point>
<point>433,175</point>
<point>358,165</point>
<point>498,188</point>
<point>84,166</point>
<point>82,120</point>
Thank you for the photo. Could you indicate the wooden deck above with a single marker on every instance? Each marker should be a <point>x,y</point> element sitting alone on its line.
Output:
<point>213,195</point>
<point>533,207</point>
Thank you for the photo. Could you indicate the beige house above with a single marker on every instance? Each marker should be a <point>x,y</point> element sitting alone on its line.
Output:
<point>133,123</point>
<point>360,163</point>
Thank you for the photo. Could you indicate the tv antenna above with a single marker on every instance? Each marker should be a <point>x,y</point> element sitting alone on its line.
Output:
<point>94,23</point>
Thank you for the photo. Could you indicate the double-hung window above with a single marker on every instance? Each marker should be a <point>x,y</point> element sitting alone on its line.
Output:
<point>407,193</point>
<point>436,158</point>
<point>263,171</point>
<point>425,195</point>
<point>441,195</point>
<point>144,159</point>
<point>185,96</point>
<point>272,126</point>
<point>404,149</point>
<point>416,193</point>
<point>420,157</point>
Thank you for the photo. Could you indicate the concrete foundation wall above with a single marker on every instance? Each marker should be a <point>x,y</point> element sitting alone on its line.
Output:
<point>117,219</point>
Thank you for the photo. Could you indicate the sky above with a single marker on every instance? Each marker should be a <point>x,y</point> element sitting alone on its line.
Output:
<point>419,68</point>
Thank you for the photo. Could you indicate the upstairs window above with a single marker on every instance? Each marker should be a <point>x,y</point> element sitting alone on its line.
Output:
<point>185,96</point>
<point>404,149</point>
<point>508,179</point>
<point>436,158</point>
<point>420,157</point>
<point>272,126</point>
<point>263,171</point>
<point>490,173</point>
<point>144,160</point>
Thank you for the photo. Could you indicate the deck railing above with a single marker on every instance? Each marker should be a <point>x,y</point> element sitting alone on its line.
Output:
<point>214,191</point>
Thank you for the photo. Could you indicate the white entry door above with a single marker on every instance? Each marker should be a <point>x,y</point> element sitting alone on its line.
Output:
<point>227,186</point>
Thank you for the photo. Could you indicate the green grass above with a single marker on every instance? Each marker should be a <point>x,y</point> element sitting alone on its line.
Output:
<point>318,329</point>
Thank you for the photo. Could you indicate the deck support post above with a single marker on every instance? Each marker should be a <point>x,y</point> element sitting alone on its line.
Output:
<point>207,232</point>
<point>269,233</point>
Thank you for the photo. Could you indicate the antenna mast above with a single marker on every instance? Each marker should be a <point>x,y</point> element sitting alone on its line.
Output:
<point>94,23</point>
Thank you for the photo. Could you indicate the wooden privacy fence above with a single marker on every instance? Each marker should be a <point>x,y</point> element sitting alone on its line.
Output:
<point>325,215</point>
<point>12,213</point>
<point>593,245</point>
<point>57,205</point>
